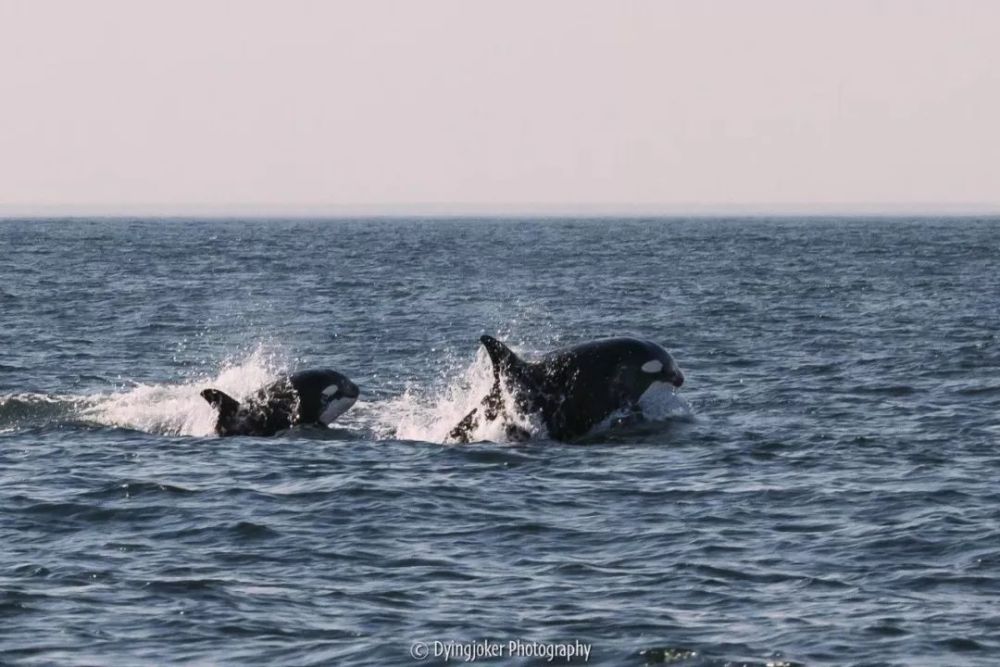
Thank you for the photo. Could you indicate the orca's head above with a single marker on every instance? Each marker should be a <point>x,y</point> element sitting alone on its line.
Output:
<point>324,395</point>
<point>659,366</point>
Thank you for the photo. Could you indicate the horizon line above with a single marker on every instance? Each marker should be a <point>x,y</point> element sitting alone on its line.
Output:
<point>466,209</point>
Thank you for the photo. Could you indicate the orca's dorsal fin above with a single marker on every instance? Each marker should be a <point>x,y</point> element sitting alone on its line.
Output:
<point>503,358</point>
<point>221,401</point>
<point>506,364</point>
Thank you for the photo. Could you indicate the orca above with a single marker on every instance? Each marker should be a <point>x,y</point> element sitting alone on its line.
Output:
<point>307,397</point>
<point>572,389</point>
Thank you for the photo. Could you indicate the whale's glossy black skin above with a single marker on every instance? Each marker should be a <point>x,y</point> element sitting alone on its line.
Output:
<point>307,397</point>
<point>573,389</point>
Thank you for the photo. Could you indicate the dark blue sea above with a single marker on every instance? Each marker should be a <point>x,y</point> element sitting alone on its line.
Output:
<point>823,490</point>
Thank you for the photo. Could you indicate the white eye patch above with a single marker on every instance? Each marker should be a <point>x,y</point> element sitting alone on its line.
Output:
<point>654,366</point>
<point>330,390</point>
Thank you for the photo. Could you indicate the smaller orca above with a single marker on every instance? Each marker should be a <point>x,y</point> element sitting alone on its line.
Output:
<point>307,397</point>
<point>573,389</point>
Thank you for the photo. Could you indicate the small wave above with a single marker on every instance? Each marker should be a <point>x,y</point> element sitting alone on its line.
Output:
<point>18,411</point>
<point>246,531</point>
<point>893,390</point>
<point>131,489</point>
<point>186,586</point>
<point>961,644</point>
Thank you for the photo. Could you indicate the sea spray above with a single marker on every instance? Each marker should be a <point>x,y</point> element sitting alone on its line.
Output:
<point>179,409</point>
<point>430,413</point>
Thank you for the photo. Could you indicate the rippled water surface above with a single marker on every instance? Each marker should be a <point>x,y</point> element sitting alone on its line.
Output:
<point>831,498</point>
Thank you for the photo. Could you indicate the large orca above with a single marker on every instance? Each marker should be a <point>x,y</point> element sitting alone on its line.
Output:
<point>307,397</point>
<point>572,389</point>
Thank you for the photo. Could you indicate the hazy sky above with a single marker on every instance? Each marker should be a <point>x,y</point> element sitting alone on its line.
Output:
<point>142,105</point>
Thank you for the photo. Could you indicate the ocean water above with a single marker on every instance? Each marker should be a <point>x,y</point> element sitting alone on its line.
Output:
<point>822,491</point>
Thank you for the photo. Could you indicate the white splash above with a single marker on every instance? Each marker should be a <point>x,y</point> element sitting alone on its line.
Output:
<point>430,415</point>
<point>179,409</point>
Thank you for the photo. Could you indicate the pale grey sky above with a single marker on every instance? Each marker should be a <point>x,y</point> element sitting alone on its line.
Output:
<point>451,105</point>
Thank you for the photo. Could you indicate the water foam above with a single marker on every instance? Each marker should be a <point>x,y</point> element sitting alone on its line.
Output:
<point>430,414</point>
<point>179,409</point>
